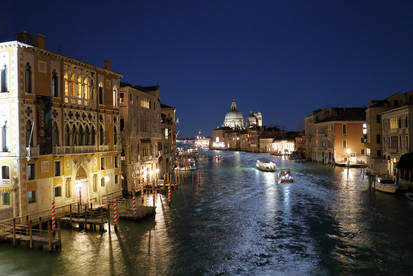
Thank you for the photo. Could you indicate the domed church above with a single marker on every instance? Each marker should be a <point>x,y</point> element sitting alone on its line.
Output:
<point>234,118</point>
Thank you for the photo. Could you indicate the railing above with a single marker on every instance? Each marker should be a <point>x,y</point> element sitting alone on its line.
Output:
<point>34,151</point>
<point>103,148</point>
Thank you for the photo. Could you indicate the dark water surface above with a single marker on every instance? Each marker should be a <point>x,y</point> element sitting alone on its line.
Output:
<point>239,221</point>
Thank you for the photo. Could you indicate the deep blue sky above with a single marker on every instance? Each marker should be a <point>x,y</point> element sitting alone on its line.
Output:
<point>284,58</point>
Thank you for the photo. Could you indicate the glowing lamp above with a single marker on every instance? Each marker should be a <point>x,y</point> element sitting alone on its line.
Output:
<point>107,179</point>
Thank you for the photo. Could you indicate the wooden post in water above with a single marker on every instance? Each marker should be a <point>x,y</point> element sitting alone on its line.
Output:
<point>109,218</point>
<point>59,231</point>
<point>27,223</point>
<point>30,235</point>
<point>85,226</point>
<point>14,232</point>
<point>40,225</point>
<point>70,215</point>
<point>49,235</point>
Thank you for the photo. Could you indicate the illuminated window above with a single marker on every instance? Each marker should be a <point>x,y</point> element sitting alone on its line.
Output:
<point>3,78</point>
<point>102,163</point>
<point>115,97</point>
<point>4,128</point>
<point>95,183</point>
<point>144,103</point>
<point>66,80</point>
<point>393,123</point>
<point>101,136</point>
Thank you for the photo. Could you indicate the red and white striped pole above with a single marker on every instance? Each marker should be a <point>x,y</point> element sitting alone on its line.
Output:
<point>115,214</point>
<point>53,216</point>
<point>134,204</point>
<point>169,193</point>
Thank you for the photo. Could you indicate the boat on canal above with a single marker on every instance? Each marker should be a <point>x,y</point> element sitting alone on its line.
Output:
<point>266,165</point>
<point>386,185</point>
<point>285,176</point>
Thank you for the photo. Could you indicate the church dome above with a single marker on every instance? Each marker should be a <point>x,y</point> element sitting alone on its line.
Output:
<point>234,118</point>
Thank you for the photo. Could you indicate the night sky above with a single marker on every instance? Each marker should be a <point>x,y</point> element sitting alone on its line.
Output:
<point>283,58</point>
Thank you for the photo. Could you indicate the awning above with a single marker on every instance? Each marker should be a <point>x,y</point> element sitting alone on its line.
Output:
<point>406,161</point>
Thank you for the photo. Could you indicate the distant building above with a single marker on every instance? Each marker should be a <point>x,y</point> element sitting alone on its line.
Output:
<point>234,118</point>
<point>168,130</point>
<point>141,134</point>
<point>282,147</point>
<point>389,132</point>
<point>254,120</point>
<point>335,135</point>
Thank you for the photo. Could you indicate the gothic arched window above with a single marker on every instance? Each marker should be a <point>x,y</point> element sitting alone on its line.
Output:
<point>67,136</point>
<point>4,137</point>
<point>3,77</point>
<point>87,136</point>
<point>101,136</point>
<point>74,136</point>
<point>28,79</point>
<point>81,136</point>
<point>29,136</point>
<point>93,138</point>
<point>55,84</point>
<point>55,134</point>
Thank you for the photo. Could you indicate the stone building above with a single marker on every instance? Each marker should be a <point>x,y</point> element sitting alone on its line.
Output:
<point>168,130</point>
<point>389,130</point>
<point>140,111</point>
<point>60,128</point>
<point>335,135</point>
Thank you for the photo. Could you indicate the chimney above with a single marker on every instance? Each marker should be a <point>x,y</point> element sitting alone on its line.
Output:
<point>36,40</point>
<point>41,40</point>
<point>107,64</point>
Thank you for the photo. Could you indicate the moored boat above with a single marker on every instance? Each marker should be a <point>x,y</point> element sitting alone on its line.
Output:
<point>386,185</point>
<point>266,165</point>
<point>285,176</point>
<point>409,196</point>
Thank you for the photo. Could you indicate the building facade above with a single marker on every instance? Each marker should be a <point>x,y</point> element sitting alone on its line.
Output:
<point>168,130</point>
<point>335,136</point>
<point>140,125</point>
<point>60,128</point>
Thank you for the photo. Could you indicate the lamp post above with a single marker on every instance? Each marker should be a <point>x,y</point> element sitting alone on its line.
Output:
<point>348,161</point>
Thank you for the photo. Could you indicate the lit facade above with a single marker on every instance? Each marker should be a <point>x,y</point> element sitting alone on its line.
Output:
<point>168,130</point>
<point>60,129</point>
<point>282,147</point>
<point>140,111</point>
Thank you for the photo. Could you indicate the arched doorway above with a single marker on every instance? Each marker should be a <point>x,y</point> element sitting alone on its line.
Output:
<point>81,184</point>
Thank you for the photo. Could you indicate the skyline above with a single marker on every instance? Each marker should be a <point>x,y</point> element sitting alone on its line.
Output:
<point>282,59</point>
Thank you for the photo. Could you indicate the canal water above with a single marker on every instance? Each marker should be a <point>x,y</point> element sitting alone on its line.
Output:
<point>239,221</point>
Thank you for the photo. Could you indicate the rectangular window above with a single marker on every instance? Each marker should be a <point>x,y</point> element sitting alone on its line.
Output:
<point>6,198</point>
<point>116,162</point>
<point>100,95</point>
<point>5,172</point>
<point>362,151</point>
<point>393,123</point>
<point>400,122</point>
<point>378,119</point>
<point>121,97</point>
<point>344,144</point>
<point>102,163</point>
<point>31,196</point>
<point>378,153</point>
<point>58,191</point>
<point>122,124</point>
<point>116,179</point>
<point>57,168</point>
<point>344,129</point>
<point>378,138</point>
<point>30,171</point>
<point>102,182</point>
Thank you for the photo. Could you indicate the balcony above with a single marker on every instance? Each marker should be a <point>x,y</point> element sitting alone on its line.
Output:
<point>117,147</point>
<point>34,151</point>
<point>73,149</point>
<point>103,148</point>
<point>5,182</point>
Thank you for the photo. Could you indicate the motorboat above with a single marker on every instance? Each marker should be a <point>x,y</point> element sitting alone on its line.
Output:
<point>266,165</point>
<point>285,176</point>
<point>386,185</point>
<point>218,157</point>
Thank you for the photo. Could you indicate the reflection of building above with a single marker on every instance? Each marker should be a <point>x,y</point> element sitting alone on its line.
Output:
<point>168,125</point>
<point>141,134</point>
<point>335,134</point>
<point>389,131</point>
<point>60,128</point>
<point>234,118</point>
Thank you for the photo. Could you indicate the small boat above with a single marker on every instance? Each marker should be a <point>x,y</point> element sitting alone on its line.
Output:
<point>266,165</point>
<point>284,176</point>
<point>187,168</point>
<point>409,196</point>
<point>218,157</point>
<point>386,185</point>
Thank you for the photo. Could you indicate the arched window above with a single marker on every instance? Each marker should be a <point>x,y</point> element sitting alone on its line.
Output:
<point>4,137</point>
<point>81,136</point>
<point>74,136</point>
<point>100,95</point>
<point>86,90</point>
<point>28,79</point>
<point>55,134</point>
<point>101,136</point>
<point>93,138</point>
<point>3,77</point>
<point>67,136</point>
<point>115,97</point>
<point>29,139</point>
<point>55,85</point>
<point>115,136</point>
<point>87,136</point>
